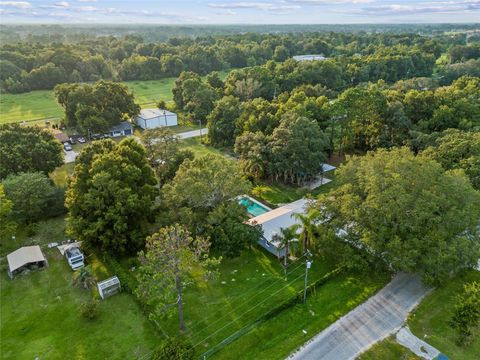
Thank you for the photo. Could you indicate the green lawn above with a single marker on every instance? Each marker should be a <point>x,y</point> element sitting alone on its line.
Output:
<point>61,174</point>
<point>40,312</point>
<point>432,316</point>
<point>41,105</point>
<point>277,194</point>
<point>278,337</point>
<point>388,349</point>
<point>198,148</point>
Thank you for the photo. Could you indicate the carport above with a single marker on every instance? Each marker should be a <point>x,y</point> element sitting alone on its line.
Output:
<point>27,257</point>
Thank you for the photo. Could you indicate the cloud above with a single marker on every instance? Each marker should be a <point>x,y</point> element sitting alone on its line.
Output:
<point>254,5</point>
<point>16,4</point>
<point>62,4</point>
<point>422,8</point>
<point>330,2</point>
<point>86,0</point>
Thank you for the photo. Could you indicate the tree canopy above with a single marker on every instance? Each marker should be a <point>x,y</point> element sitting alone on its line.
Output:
<point>392,206</point>
<point>110,195</point>
<point>96,108</point>
<point>28,149</point>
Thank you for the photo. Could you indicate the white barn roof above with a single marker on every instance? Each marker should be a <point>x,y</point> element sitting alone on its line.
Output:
<point>154,113</point>
<point>273,221</point>
<point>24,256</point>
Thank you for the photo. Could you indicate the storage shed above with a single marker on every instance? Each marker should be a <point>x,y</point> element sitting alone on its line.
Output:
<point>25,258</point>
<point>109,287</point>
<point>153,118</point>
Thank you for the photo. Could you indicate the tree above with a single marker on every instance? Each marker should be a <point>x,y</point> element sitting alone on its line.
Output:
<point>391,208</point>
<point>110,195</point>
<point>31,195</point>
<point>227,230</point>
<point>287,239</point>
<point>8,225</point>
<point>170,259</point>
<point>174,349</point>
<point>28,149</point>
<point>222,121</point>
<point>298,149</point>
<point>203,183</point>
<point>455,149</point>
<point>308,228</point>
<point>96,108</point>
<point>466,315</point>
<point>164,153</point>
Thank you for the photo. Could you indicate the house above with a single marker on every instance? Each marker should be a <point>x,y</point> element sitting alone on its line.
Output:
<point>317,57</point>
<point>153,118</point>
<point>273,221</point>
<point>25,258</point>
<point>122,129</point>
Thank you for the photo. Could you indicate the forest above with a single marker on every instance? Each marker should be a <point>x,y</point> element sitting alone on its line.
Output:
<point>40,62</point>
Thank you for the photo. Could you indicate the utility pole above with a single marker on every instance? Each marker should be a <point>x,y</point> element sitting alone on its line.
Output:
<point>308,265</point>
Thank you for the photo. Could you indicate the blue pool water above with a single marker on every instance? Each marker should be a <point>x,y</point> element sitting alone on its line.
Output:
<point>253,208</point>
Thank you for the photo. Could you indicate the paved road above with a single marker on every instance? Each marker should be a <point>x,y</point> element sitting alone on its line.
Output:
<point>417,346</point>
<point>193,133</point>
<point>378,317</point>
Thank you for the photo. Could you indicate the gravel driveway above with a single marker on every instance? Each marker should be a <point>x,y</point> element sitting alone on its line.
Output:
<point>377,318</point>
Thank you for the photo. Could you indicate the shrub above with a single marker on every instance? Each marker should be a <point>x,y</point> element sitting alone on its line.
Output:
<point>89,310</point>
<point>174,349</point>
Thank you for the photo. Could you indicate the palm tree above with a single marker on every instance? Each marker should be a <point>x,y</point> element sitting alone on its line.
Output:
<point>308,225</point>
<point>287,237</point>
<point>84,277</point>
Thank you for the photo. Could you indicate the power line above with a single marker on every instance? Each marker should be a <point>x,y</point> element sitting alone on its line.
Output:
<point>276,281</point>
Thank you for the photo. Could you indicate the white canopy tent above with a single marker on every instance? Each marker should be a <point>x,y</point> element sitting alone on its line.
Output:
<point>25,257</point>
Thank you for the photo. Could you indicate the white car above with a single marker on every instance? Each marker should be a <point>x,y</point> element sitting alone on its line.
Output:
<point>67,147</point>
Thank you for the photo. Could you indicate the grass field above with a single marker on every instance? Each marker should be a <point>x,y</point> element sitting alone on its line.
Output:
<point>40,315</point>
<point>388,349</point>
<point>432,316</point>
<point>41,104</point>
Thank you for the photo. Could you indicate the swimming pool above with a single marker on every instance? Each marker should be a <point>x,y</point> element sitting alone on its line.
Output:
<point>254,208</point>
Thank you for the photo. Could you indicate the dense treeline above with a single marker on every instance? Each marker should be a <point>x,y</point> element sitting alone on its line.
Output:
<point>47,33</point>
<point>274,135</point>
<point>355,57</point>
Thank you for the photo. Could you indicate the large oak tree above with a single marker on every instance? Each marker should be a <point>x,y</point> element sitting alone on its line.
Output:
<point>403,211</point>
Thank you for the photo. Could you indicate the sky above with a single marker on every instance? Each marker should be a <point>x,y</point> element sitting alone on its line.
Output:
<point>239,12</point>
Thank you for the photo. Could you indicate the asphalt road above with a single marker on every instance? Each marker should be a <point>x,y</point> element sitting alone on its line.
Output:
<point>377,318</point>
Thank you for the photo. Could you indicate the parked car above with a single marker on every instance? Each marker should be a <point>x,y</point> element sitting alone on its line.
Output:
<point>67,147</point>
<point>81,140</point>
<point>72,140</point>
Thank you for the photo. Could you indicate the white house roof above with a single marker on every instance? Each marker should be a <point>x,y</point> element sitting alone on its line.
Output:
<point>328,167</point>
<point>273,221</point>
<point>23,256</point>
<point>309,57</point>
<point>154,113</point>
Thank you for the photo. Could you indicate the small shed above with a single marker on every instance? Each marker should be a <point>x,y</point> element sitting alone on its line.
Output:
<point>153,118</point>
<point>122,129</point>
<point>27,257</point>
<point>109,287</point>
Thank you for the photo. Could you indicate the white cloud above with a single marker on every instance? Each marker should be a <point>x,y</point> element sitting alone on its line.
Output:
<point>430,7</point>
<point>254,5</point>
<point>62,4</point>
<point>330,2</point>
<point>16,4</point>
